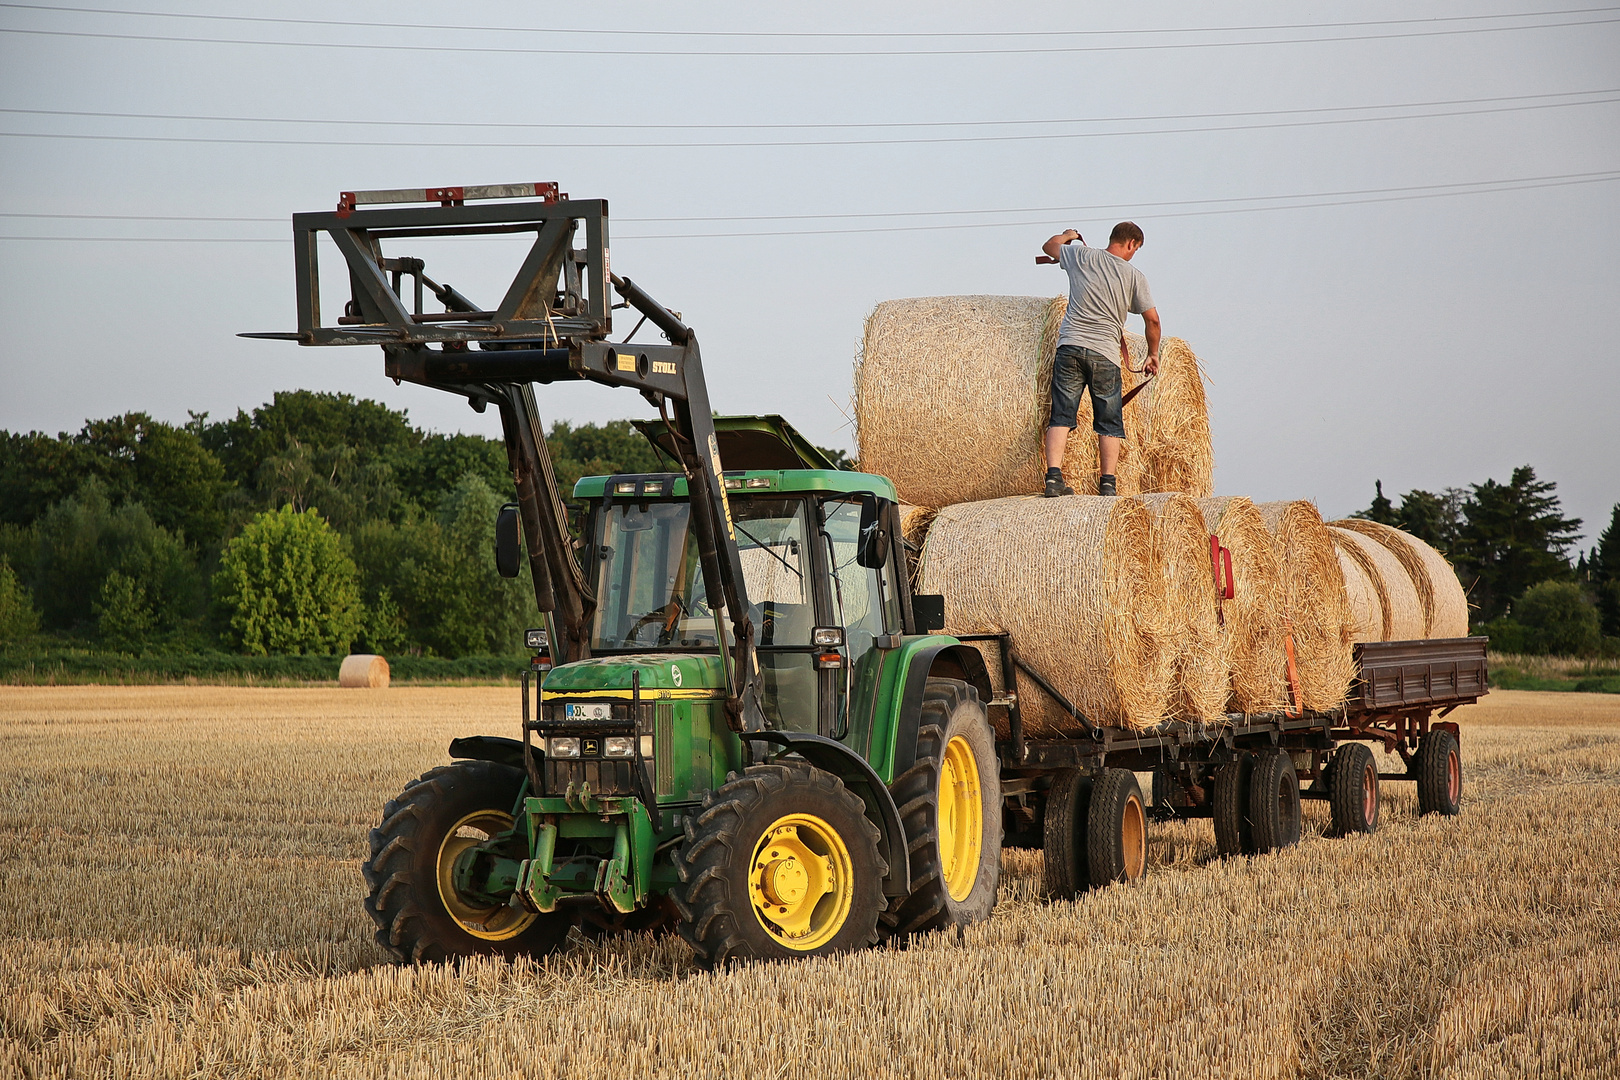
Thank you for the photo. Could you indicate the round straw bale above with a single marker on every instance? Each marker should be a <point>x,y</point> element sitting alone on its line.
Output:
<point>1445,605</point>
<point>364,671</point>
<point>952,396</point>
<point>914,522</point>
<point>1199,681</point>
<point>1369,608</point>
<point>1251,624</point>
<point>1403,612</point>
<point>1315,612</point>
<point>1073,582</point>
<point>1171,421</point>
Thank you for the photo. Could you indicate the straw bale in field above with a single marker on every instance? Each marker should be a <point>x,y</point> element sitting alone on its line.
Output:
<point>1199,682</point>
<point>1315,612</point>
<point>1251,624</point>
<point>952,396</point>
<point>364,671</point>
<point>1445,605</point>
<point>1073,581</point>
<point>1364,593</point>
<point>914,522</point>
<point>1403,618</point>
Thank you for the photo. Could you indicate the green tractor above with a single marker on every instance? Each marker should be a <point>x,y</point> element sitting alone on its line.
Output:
<point>738,722</point>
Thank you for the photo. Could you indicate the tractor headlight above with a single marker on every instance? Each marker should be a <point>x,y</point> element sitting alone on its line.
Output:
<point>562,747</point>
<point>535,639</point>
<point>619,746</point>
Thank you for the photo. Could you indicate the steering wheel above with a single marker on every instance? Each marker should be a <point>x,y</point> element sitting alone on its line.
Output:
<point>667,614</point>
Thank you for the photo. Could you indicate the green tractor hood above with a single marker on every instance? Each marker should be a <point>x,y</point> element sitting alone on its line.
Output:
<point>664,676</point>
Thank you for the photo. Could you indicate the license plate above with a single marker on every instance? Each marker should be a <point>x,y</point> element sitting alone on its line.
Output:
<point>589,710</point>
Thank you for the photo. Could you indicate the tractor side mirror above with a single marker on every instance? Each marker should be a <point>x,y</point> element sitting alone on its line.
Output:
<point>928,611</point>
<point>872,548</point>
<point>508,556</point>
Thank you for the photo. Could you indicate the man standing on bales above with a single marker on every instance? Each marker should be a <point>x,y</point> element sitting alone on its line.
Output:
<point>1103,288</point>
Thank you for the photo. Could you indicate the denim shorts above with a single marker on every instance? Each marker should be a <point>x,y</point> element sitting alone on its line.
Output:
<point>1076,368</point>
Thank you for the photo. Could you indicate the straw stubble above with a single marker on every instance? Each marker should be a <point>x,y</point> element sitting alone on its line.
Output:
<point>1072,580</point>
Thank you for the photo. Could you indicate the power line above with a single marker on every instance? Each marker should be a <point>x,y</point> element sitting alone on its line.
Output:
<point>356,24</point>
<point>225,140</point>
<point>461,124</point>
<point>1212,207</point>
<point>372,46</point>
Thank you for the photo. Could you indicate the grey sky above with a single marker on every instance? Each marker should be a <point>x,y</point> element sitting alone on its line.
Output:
<point>1429,342</point>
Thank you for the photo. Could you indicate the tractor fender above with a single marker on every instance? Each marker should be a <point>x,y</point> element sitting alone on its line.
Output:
<point>859,776</point>
<point>494,748</point>
<point>922,665</point>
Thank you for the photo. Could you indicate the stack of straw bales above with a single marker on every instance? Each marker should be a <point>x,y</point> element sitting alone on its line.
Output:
<point>1115,601</point>
<point>1081,597</point>
<point>1440,594</point>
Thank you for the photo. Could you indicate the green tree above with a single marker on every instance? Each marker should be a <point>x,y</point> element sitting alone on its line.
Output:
<point>1513,536</point>
<point>314,419</point>
<point>1381,510</point>
<point>1603,573</point>
<point>1559,618</point>
<point>348,489</point>
<point>1434,519</point>
<point>286,584</point>
<point>18,619</point>
<point>426,472</point>
<point>82,540</point>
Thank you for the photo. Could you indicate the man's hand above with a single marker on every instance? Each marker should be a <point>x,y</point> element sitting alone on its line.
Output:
<point>1151,366</point>
<point>1052,246</point>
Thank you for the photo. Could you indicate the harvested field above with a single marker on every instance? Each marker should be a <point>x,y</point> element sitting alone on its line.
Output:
<point>180,897</point>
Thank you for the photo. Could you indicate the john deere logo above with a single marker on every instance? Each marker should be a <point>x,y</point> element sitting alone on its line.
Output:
<point>590,748</point>
<point>675,673</point>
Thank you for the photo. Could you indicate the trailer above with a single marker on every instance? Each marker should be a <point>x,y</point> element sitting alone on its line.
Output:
<point>1079,799</point>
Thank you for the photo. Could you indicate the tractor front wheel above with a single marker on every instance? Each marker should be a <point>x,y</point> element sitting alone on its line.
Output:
<point>781,862</point>
<point>419,914</point>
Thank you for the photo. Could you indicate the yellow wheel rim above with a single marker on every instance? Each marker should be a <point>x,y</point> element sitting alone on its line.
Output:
<point>801,882</point>
<point>961,818</point>
<point>489,923</point>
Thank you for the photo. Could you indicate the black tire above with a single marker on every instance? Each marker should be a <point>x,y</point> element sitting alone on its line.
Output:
<point>1234,834</point>
<point>721,854</point>
<point>1116,829</point>
<point>949,888</point>
<point>1438,768</point>
<point>1353,795</point>
<point>1274,801</point>
<point>1068,811</point>
<point>421,830</point>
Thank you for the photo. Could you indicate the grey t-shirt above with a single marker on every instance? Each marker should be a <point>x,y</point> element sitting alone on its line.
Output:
<point>1103,288</point>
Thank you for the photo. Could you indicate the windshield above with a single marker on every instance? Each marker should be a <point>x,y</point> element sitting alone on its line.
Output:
<point>649,586</point>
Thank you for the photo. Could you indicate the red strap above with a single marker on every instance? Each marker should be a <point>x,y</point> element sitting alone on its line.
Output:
<point>1293,673</point>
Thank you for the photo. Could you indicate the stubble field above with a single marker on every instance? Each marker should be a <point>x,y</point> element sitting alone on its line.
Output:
<point>180,896</point>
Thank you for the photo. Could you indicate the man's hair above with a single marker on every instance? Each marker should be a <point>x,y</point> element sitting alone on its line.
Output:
<point>1125,230</point>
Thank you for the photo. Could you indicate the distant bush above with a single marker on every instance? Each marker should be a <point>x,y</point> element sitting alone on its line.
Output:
<point>286,584</point>
<point>18,619</point>
<point>1558,618</point>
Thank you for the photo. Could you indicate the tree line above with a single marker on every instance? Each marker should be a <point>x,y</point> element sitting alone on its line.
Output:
<point>314,523</point>
<point>1511,546</point>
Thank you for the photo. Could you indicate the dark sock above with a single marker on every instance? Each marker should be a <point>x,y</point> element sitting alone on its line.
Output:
<point>1107,478</point>
<point>1054,472</point>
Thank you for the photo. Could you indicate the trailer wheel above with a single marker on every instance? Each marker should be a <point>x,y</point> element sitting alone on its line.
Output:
<point>419,915</point>
<point>950,806</point>
<point>1234,835</point>
<point>1353,789</point>
<point>1274,801</point>
<point>1068,812</point>
<point>1438,765</point>
<point>781,862</point>
<point>1116,829</point>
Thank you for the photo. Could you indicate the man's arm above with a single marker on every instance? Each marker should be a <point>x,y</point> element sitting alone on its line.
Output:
<point>1151,318</point>
<point>1052,246</point>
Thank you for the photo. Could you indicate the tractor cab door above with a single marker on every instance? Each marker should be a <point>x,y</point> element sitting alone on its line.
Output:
<point>865,600</point>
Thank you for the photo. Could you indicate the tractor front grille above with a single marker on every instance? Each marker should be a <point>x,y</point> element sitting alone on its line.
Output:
<point>604,777</point>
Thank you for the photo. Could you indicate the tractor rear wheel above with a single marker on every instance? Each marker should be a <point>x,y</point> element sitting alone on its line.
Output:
<point>1438,765</point>
<point>420,916</point>
<point>1353,789</point>
<point>950,806</point>
<point>781,862</point>
<point>1068,812</point>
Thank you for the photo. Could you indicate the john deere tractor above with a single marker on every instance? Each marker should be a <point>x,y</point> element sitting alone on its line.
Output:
<point>737,721</point>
